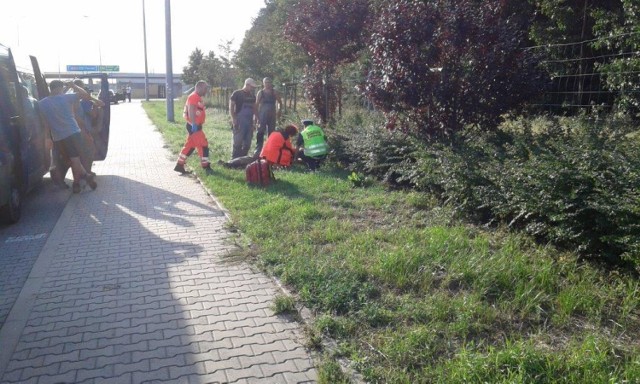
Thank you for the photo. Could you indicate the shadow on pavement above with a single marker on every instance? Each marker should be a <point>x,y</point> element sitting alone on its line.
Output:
<point>123,291</point>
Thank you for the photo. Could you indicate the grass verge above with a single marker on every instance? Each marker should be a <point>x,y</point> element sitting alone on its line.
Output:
<point>411,295</point>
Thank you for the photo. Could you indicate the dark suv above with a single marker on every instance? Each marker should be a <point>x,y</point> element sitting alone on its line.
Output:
<point>114,97</point>
<point>24,158</point>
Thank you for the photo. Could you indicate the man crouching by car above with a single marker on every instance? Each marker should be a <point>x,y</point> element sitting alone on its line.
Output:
<point>63,129</point>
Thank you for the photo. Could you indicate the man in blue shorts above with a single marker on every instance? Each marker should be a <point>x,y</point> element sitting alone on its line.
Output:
<point>60,122</point>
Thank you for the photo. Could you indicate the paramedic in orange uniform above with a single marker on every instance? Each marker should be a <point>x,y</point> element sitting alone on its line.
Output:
<point>278,149</point>
<point>195,115</point>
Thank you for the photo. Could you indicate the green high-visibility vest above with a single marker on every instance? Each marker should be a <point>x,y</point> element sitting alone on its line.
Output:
<point>314,142</point>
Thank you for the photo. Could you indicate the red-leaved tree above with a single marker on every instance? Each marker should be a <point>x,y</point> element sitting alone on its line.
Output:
<point>439,65</point>
<point>332,33</point>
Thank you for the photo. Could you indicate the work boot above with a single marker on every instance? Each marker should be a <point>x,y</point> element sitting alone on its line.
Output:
<point>75,187</point>
<point>180,168</point>
<point>208,171</point>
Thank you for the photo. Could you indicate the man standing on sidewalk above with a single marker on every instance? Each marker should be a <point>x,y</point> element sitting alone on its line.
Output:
<point>195,115</point>
<point>60,122</point>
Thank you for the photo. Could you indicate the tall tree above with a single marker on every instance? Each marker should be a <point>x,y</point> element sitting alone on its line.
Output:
<point>331,32</point>
<point>228,72</point>
<point>211,69</point>
<point>190,72</point>
<point>201,67</point>
<point>265,51</point>
<point>438,66</point>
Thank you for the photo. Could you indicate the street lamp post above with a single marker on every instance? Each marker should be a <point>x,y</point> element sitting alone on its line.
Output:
<point>146,68</point>
<point>167,14</point>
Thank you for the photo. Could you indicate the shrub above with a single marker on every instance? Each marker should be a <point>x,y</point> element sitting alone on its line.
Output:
<point>362,145</point>
<point>571,182</point>
<point>576,185</point>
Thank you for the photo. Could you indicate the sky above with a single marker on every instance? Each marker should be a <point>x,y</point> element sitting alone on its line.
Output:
<point>110,32</point>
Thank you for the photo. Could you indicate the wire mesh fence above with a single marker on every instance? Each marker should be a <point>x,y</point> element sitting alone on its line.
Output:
<point>600,75</point>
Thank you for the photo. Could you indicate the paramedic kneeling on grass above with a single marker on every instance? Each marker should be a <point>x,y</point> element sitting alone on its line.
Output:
<point>278,149</point>
<point>312,145</point>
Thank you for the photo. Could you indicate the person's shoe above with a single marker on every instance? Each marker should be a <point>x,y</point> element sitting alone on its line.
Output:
<point>208,171</point>
<point>180,168</point>
<point>91,182</point>
<point>75,187</point>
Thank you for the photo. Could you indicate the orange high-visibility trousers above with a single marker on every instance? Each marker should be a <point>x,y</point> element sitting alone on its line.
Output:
<point>197,141</point>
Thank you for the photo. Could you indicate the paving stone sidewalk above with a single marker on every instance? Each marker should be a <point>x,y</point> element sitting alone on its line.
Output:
<point>132,285</point>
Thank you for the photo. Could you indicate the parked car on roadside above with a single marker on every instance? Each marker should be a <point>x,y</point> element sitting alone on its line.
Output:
<point>24,158</point>
<point>114,97</point>
<point>120,96</point>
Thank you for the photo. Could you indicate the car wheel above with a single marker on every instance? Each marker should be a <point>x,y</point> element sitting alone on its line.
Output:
<point>10,213</point>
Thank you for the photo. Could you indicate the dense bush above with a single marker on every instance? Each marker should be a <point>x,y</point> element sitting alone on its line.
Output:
<point>359,144</point>
<point>438,66</point>
<point>575,184</point>
<point>571,182</point>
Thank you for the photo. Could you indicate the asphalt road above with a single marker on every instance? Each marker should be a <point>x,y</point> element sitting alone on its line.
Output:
<point>21,243</point>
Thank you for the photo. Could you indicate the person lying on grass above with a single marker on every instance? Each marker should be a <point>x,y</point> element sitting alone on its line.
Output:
<point>278,150</point>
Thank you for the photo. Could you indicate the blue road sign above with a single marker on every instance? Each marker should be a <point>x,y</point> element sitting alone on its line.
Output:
<point>93,68</point>
<point>82,68</point>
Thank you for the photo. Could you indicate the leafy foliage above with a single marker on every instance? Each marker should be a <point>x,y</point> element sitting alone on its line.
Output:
<point>322,90</point>
<point>331,32</point>
<point>190,72</point>
<point>265,51</point>
<point>568,21</point>
<point>200,67</point>
<point>575,185</point>
<point>619,33</point>
<point>440,65</point>
<point>228,73</point>
<point>572,182</point>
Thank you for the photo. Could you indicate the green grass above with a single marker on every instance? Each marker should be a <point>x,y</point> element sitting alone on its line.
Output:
<point>283,304</point>
<point>414,296</point>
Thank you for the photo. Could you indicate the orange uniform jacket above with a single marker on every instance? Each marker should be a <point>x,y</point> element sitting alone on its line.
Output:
<point>278,150</point>
<point>195,99</point>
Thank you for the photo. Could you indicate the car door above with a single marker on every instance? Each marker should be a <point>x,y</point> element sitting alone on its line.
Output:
<point>34,154</point>
<point>98,84</point>
<point>41,83</point>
